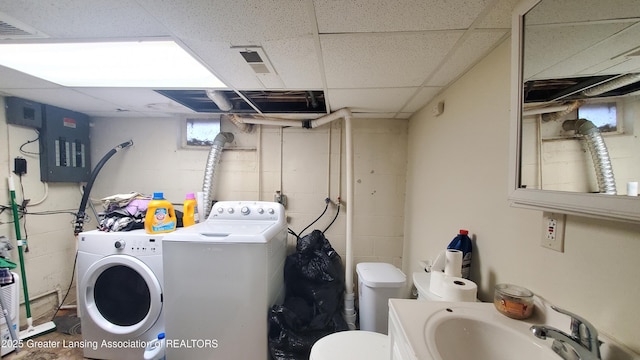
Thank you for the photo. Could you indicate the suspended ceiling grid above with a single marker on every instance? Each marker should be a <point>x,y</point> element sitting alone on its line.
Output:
<point>379,58</point>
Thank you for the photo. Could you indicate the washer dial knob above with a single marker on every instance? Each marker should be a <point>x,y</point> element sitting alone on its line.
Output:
<point>245,210</point>
<point>119,244</point>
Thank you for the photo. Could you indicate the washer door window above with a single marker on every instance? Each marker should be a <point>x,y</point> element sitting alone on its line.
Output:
<point>122,295</point>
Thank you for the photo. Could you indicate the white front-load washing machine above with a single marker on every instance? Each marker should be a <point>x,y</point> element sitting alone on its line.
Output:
<point>221,278</point>
<point>119,284</point>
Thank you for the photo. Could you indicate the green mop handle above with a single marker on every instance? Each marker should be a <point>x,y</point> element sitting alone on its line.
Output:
<point>16,223</point>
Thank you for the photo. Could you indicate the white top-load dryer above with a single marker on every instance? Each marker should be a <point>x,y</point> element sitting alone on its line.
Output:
<point>221,277</point>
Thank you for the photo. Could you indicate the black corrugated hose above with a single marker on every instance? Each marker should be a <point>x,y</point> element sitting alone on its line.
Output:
<point>79,226</point>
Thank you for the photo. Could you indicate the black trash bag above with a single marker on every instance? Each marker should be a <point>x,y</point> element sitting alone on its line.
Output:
<point>314,280</point>
<point>315,258</point>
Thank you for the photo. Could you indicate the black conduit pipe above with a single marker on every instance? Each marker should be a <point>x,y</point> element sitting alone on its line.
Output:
<point>79,226</point>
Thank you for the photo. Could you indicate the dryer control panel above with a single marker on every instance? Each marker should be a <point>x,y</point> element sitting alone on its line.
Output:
<point>134,243</point>
<point>133,246</point>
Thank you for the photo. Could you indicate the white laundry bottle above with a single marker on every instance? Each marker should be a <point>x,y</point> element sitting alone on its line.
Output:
<point>155,349</point>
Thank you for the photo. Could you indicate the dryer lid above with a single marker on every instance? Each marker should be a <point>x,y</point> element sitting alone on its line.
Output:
<point>228,231</point>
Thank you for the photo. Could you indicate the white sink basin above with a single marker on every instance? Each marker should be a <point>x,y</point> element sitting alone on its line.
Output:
<point>430,330</point>
<point>460,331</point>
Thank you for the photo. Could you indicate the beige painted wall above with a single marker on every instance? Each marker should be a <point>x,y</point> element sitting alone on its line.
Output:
<point>51,243</point>
<point>457,178</point>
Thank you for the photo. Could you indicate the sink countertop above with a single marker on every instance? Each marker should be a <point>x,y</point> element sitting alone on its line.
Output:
<point>413,315</point>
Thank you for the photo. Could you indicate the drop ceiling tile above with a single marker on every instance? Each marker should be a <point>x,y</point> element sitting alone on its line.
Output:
<point>599,58</point>
<point>85,19</point>
<point>369,100</point>
<point>423,96</point>
<point>235,22</point>
<point>226,63</point>
<point>12,79</point>
<point>474,48</point>
<point>631,66</point>
<point>499,16</point>
<point>389,60</point>
<point>296,61</point>
<point>548,46</point>
<point>135,99</point>
<point>399,15</point>
<point>64,98</point>
<point>616,66</point>
<point>554,12</point>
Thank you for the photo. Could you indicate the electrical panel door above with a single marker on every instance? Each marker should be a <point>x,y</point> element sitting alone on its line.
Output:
<point>64,146</point>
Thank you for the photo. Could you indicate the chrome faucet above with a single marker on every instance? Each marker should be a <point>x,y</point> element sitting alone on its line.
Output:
<point>582,344</point>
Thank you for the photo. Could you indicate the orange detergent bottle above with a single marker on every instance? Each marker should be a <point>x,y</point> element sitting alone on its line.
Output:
<point>190,210</point>
<point>160,217</point>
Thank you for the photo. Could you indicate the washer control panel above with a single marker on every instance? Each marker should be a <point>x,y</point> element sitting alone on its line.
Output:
<point>246,210</point>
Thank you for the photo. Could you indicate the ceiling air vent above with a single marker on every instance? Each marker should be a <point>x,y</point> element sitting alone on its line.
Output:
<point>258,60</point>
<point>11,28</point>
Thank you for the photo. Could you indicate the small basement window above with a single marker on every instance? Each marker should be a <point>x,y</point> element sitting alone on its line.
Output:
<point>603,115</point>
<point>200,132</point>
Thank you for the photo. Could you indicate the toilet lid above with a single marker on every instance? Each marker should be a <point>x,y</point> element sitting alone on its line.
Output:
<point>352,345</point>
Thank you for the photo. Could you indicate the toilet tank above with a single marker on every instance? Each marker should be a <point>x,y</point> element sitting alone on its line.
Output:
<point>377,283</point>
<point>422,280</point>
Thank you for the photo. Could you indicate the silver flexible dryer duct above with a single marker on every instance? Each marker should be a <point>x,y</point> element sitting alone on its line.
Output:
<point>208,185</point>
<point>599,153</point>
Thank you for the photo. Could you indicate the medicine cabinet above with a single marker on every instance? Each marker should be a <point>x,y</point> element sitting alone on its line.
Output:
<point>565,55</point>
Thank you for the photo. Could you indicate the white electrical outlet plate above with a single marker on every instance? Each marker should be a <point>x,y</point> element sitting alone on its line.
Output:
<point>553,231</point>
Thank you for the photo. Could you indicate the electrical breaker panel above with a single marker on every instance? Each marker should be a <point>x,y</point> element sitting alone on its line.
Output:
<point>23,112</point>
<point>64,146</point>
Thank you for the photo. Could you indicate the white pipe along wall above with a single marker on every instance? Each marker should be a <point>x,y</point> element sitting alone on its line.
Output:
<point>345,113</point>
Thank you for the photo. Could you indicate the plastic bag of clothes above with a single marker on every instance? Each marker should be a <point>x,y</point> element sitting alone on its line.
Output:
<point>123,212</point>
<point>314,280</point>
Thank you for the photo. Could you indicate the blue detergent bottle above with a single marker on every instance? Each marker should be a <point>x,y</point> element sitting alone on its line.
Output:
<point>462,242</point>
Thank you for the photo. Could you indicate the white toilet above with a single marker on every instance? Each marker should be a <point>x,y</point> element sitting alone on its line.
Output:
<point>377,283</point>
<point>422,282</point>
<point>351,345</point>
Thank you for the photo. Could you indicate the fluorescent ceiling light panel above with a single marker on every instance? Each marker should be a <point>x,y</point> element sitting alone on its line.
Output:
<point>155,64</point>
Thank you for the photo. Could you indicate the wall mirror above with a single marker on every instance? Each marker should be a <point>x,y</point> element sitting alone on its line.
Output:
<point>575,136</point>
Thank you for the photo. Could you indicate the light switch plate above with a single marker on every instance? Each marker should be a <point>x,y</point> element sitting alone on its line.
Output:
<point>553,231</point>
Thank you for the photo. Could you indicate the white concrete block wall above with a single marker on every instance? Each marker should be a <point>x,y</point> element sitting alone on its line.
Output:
<point>301,160</point>
<point>51,243</point>
<point>309,164</point>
